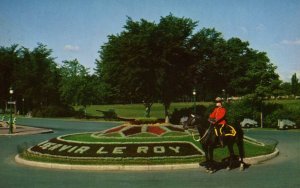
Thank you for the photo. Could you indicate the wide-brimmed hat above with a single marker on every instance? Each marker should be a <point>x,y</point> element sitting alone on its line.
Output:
<point>218,99</point>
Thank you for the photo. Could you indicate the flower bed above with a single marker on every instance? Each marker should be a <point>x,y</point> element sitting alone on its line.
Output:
<point>136,130</point>
<point>155,130</point>
<point>61,148</point>
<point>125,144</point>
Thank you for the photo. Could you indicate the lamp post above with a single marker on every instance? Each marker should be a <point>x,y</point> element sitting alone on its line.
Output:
<point>11,92</point>
<point>194,99</point>
<point>23,106</point>
<point>224,94</point>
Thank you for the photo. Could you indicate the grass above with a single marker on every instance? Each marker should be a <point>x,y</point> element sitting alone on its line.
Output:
<point>292,105</point>
<point>86,137</point>
<point>138,110</point>
<point>157,110</point>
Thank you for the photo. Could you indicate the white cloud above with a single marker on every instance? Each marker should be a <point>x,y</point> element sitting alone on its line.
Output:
<point>71,48</point>
<point>291,42</point>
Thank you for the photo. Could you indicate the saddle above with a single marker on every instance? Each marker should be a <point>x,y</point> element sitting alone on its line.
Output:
<point>212,133</point>
<point>226,130</point>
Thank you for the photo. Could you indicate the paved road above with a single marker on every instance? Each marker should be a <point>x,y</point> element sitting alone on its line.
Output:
<point>283,171</point>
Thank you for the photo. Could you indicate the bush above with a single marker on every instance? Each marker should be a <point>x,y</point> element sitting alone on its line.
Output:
<point>238,110</point>
<point>54,111</point>
<point>80,113</point>
<point>281,112</point>
<point>109,114</point>
<point>251,107</point>
<point>178,114</point>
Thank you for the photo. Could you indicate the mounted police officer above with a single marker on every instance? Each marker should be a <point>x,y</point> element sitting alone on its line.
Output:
<point>217,119</point>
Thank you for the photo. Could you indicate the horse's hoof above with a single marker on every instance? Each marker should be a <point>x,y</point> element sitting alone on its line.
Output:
<point>242,167</point>
<point>228,168</point>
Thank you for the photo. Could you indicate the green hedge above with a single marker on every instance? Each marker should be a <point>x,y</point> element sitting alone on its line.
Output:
<point>54,111</point>
<point>250,107</point>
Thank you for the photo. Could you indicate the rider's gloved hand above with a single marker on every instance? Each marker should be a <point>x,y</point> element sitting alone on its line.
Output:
<point>211,120</point>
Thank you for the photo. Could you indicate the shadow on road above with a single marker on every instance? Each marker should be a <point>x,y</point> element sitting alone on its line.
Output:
<point>215,166</point>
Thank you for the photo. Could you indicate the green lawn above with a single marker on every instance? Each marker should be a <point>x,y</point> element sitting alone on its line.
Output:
<point>293,105</point>
<point>157,110</point>
<point>138,110</point>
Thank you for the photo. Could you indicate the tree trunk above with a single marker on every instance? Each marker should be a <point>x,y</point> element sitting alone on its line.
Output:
<point>167,106</point>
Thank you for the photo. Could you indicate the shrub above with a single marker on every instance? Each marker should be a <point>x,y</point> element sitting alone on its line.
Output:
<point>54,111</point>
<point>178,114</point>
<point>110,114</point>
<point>251,107</point>
<point>238,110</point>
<point>80,113</point>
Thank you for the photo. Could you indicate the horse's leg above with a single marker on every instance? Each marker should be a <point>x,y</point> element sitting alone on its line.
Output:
<point>231,156</point>
<point>206,162</point>
<point>211,165</point>
<point>240,144</point>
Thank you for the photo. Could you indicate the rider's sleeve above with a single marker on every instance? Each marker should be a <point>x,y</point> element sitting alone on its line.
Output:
<point>213,114</point>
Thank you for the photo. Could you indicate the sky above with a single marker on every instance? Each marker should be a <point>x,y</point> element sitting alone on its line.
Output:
<point>76,29</point>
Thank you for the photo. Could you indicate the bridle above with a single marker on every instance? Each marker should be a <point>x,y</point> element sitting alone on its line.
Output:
<point>193,135</point>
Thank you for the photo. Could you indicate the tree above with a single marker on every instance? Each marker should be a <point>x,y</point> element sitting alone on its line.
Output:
<point>295,85</point>
<point>209,66</point>
<point>147,61</point>
<point>172,57</point>
<point>74,86</point>
<point>36,77</point>
<point>126,67</point>
<point>32,74</point>
<point>286,88</point>
<point>9,56</point>
<point>165,61</point>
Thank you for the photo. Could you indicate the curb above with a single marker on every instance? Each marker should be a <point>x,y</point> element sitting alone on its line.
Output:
<point>261,158</point>
<point>25,130</point>
<point>18,159</point>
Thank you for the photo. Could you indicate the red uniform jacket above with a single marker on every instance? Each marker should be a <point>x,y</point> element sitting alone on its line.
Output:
<point>219,115</point>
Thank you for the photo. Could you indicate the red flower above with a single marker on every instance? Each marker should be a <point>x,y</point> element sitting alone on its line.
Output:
<point>155,130</point>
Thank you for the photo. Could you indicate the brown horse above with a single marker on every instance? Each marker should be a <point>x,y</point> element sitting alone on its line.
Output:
<point>210,142</point>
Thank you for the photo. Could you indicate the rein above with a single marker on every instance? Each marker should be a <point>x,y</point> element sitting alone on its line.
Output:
<point>200,138</point>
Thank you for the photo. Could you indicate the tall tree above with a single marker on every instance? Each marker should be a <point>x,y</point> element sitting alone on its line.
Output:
<point>9,56</point>
<point>165,61</point>
<point>147,61</point>
<point>32,74</point>
<point>36,77</point>
<point>209,73</point>
<point>173,59</point>
<point>74,83</point>
<point>295,85</point>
